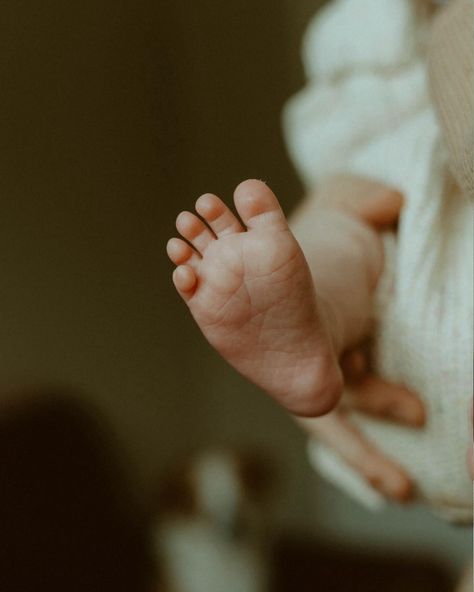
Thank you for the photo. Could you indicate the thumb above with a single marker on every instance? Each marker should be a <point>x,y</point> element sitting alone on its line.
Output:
<point>366,199</point>
<point>381,209</point>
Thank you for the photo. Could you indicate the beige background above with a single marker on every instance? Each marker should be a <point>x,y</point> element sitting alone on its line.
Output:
<point>114,116</point>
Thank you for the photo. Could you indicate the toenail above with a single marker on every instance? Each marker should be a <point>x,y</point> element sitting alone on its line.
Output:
<point>185,220</point>
<point>206,203</point>
<point>169,245</point>
<point>181,217</point>
<point>206,198</point>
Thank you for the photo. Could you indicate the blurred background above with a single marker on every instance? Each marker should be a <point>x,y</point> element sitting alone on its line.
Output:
<point>114,117</point>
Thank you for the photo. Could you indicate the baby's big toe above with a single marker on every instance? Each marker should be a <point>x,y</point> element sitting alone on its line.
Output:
<point>257,205</point>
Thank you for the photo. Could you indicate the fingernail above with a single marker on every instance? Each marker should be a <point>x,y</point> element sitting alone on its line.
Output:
<point>409,414</point>
<point>394,487</point>
<point>399,489</point>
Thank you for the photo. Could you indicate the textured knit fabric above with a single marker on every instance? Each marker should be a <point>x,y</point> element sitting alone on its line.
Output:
<point>367,110</point>
<point>451,67</point>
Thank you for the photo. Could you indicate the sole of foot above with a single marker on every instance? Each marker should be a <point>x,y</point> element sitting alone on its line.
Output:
<point>249,289</point>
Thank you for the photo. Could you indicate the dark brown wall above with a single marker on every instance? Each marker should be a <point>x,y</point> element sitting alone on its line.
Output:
<point>114,116</point>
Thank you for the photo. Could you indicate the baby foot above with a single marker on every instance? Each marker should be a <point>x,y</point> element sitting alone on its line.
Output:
<point>251,293</point>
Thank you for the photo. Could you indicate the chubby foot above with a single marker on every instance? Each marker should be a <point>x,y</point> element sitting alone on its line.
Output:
<point>250,291</point>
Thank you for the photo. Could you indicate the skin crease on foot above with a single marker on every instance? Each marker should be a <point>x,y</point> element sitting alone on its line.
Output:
<point>249,289</point>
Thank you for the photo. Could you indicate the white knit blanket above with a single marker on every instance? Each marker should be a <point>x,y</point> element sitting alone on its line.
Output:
<point>366,110</point>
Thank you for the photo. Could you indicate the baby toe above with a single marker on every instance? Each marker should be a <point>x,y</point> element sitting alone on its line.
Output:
<point>257,205</point>
<point>180,252</point>
<point>185,281</point>
<point>220,218</point>
<point>195,231</point>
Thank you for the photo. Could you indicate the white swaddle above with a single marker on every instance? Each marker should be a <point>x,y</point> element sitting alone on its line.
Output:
<point>366,110</point>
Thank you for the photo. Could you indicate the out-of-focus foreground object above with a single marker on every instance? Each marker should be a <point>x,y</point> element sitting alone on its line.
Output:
<point>212,523</point>
<point>67,518</point>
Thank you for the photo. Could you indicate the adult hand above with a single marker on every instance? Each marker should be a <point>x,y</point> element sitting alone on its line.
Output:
<point>377,206</point>
<point>370,395</point>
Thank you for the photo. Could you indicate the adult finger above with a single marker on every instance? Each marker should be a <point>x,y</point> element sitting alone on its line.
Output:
<point>355,363</point>
<point>370,394</point>
<point>381,473</point>
<point>378,398</point>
